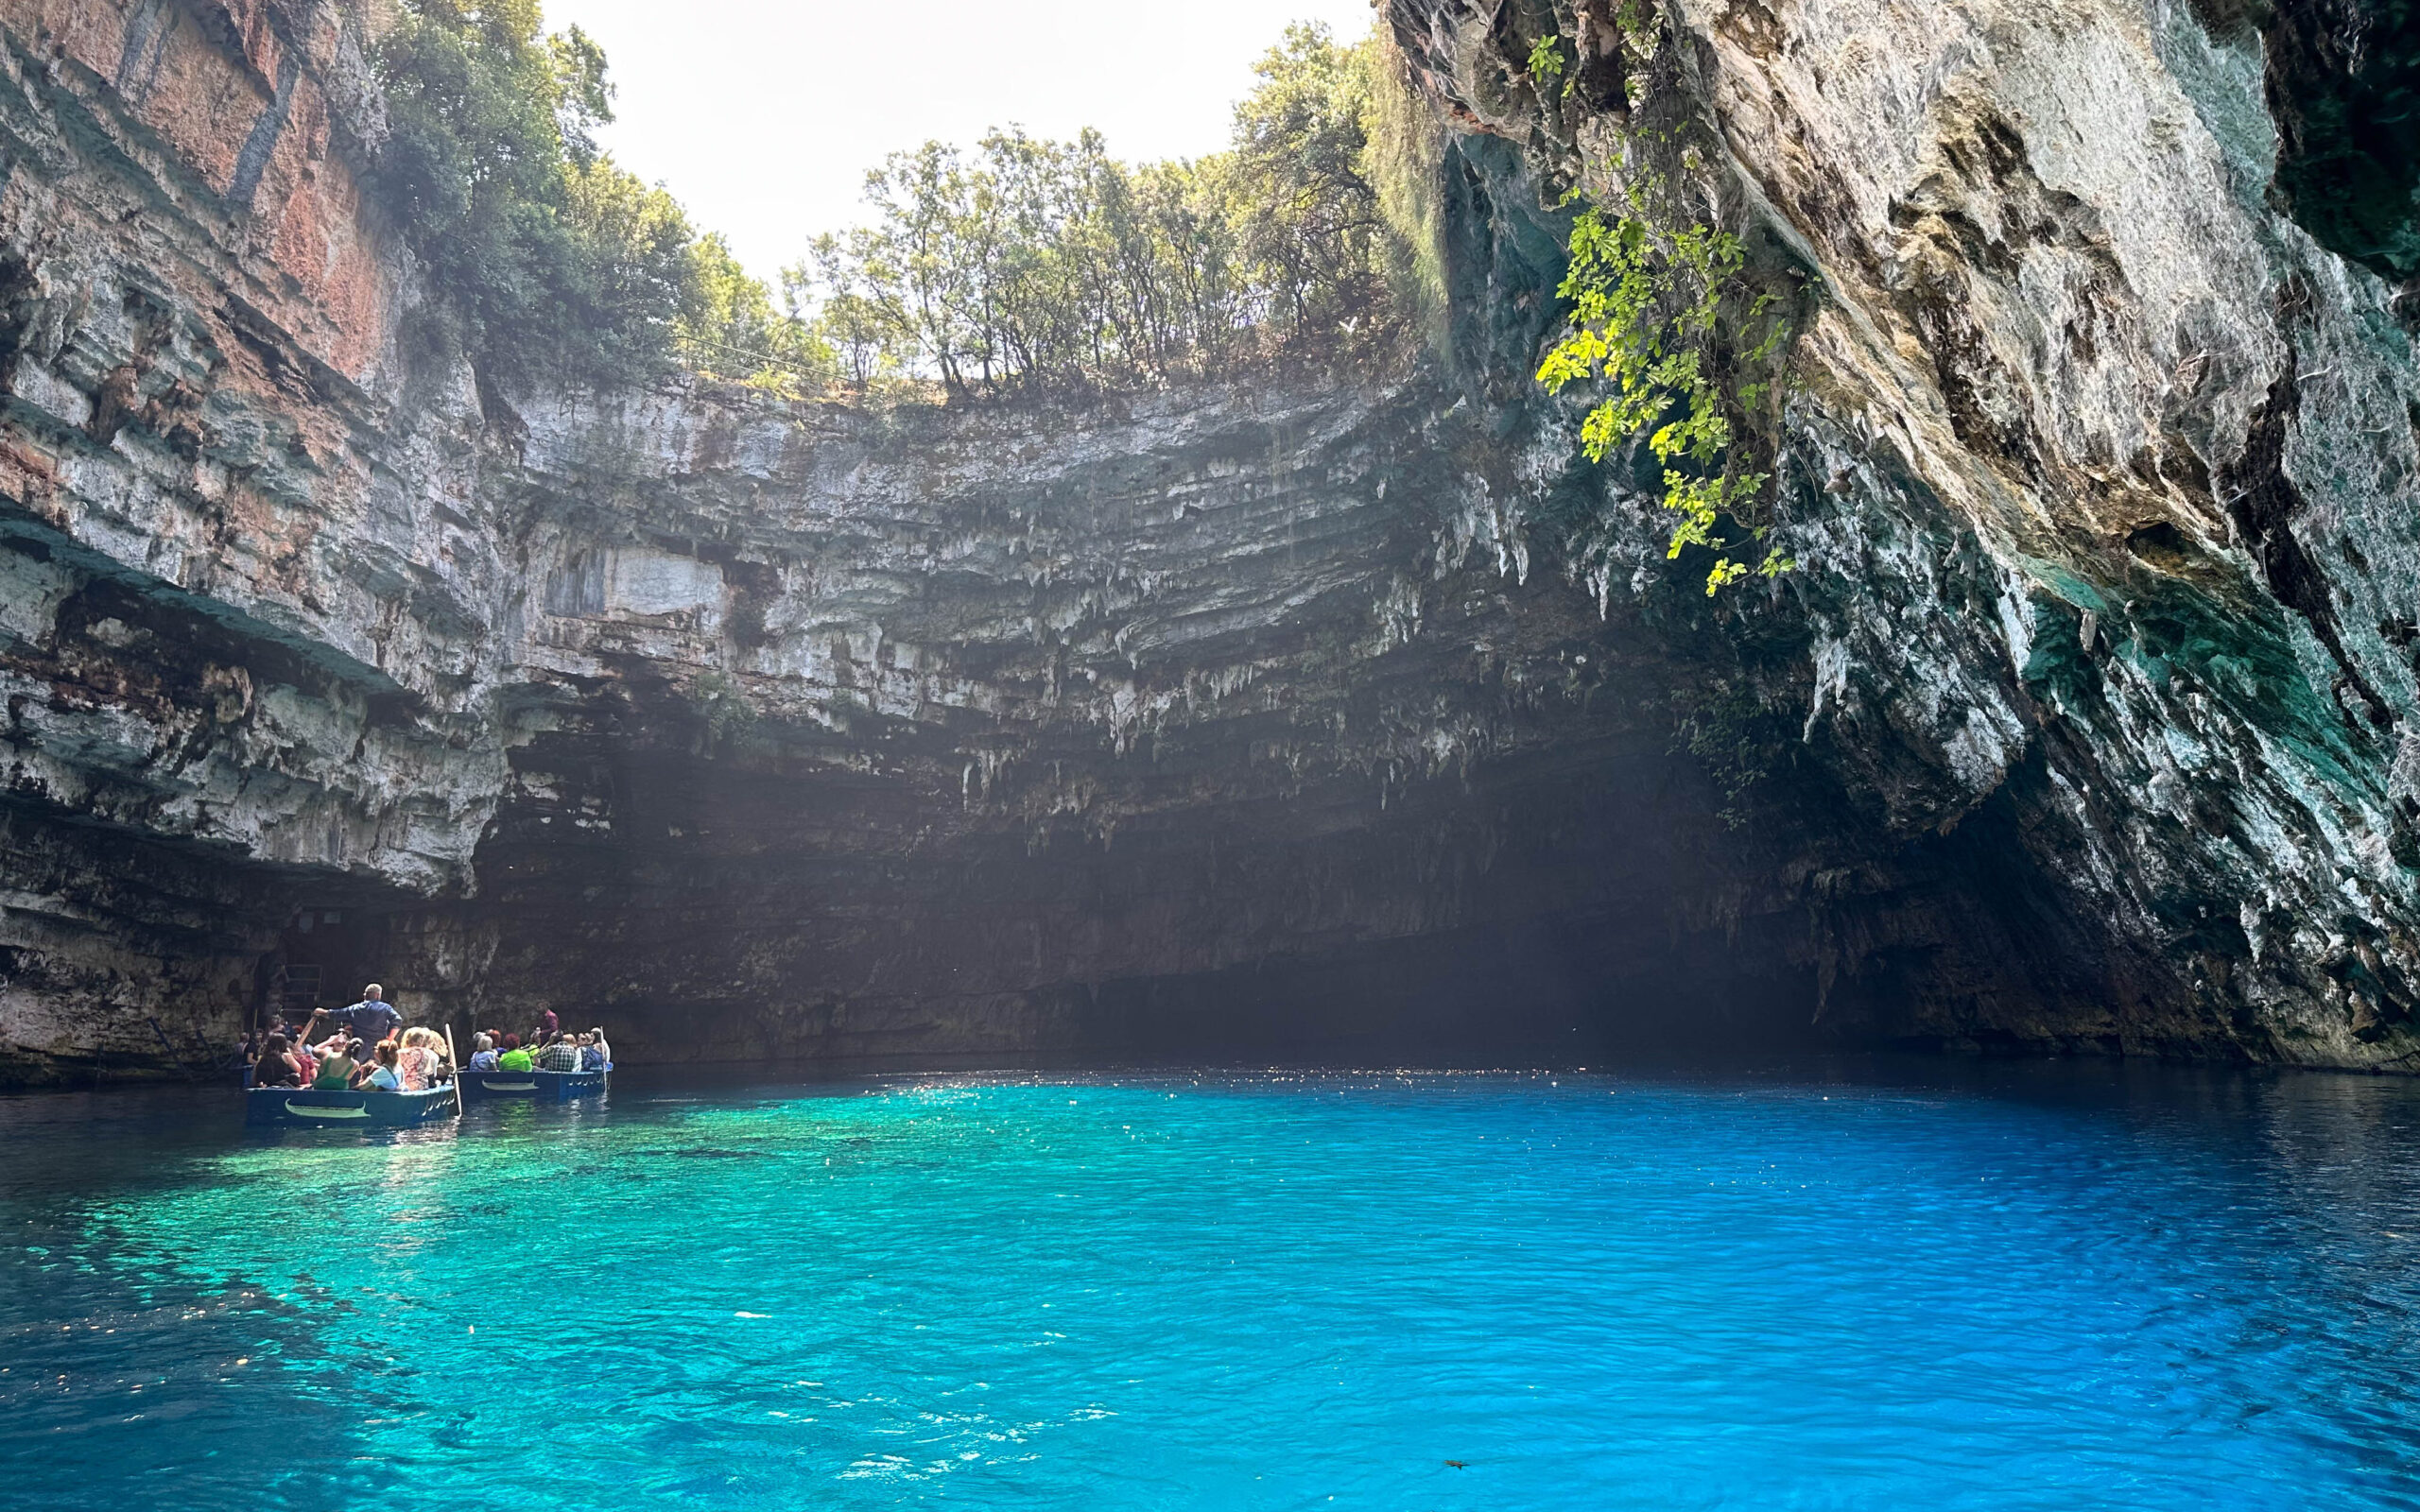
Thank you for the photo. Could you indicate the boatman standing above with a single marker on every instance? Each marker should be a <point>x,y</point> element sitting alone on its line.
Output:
<point>374,1018</point>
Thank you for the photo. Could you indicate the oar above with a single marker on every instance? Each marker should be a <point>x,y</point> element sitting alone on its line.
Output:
<point>457,1070</point>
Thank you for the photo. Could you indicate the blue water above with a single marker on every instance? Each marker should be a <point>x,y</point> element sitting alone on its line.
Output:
<point>1932,1287</point>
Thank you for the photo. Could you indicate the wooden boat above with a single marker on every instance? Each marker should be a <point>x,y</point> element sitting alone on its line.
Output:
<point>308,1108</point>
<point>541,1086</point>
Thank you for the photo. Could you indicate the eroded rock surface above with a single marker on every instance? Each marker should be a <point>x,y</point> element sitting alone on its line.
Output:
<point>2101,464</point>
<point>1307,715</point>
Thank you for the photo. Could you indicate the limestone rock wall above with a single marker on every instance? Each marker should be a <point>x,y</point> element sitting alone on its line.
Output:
<point>2101,464</point>
<point>246,610</point>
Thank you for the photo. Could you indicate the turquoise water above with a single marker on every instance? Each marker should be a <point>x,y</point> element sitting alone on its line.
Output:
<point>1847,1286</point>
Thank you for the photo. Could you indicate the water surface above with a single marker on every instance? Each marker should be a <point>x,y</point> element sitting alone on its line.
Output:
<point>1846,1285</point>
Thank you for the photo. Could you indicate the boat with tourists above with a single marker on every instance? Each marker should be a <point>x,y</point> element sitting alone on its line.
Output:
<point>555,1066</point>
<point>370,1073</point>
<point>326,1108</point>
<point>540,1085</point>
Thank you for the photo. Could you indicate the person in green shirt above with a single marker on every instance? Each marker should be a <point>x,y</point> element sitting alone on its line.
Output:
<point>514,1057</point>
<point>338,1069</point>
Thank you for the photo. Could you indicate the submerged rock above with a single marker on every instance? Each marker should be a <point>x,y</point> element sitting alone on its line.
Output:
<point>1300,716</point>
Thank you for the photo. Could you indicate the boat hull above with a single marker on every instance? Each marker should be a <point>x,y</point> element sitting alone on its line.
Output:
<point>307,1107</point>
<point>540,1085</point>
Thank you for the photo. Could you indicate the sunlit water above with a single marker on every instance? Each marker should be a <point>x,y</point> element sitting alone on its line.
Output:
<point>2056,1287</point>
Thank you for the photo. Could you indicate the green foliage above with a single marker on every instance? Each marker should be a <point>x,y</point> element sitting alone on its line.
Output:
<point>1664,318</point>
<point>855,323</point>
<point>549,257</point>
<point>1028,263</point>
<point>583,99</point>
<point>1402,160</point>
<point>1022,264</point>
<point>1302,198</point>
<point>1640,26</point>
<point>729,328</point>
<point>1665,312</point>
<point>722,703</point>
<point>1545,60</point>
<point>630,251</point>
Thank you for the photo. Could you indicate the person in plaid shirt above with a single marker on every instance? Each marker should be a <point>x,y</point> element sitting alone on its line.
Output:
<point>558,1055</point>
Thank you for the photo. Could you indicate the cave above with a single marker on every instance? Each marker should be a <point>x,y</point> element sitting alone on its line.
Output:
<point>1316,712</point>
<point>1623,754</point>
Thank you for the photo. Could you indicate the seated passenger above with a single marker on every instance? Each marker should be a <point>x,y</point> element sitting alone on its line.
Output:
<point>277,1066</point>
<point>421,1058</point>
<point>514,1057</point>
<point>558,1055</point>
<point>483,1057</point>
<point>591,1057</point>
<point>339,1067</point>
<point>603,1049</point>
<point>382,1076</point>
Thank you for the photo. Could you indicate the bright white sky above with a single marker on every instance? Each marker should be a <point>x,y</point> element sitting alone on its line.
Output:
<point>762,116</point>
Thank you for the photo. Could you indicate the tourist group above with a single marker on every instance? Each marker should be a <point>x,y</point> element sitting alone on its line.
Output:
<point>365,1048</point>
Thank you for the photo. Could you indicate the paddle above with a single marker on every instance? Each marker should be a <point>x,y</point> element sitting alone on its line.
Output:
<point>456,1062</point>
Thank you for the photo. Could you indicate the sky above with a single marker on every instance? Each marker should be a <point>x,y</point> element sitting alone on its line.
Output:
<point>762,116</point>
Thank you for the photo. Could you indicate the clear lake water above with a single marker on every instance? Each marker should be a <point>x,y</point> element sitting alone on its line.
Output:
<point>1842,1284</point>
